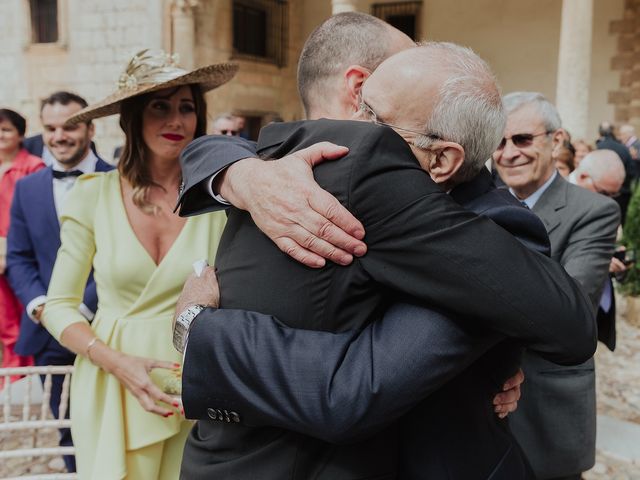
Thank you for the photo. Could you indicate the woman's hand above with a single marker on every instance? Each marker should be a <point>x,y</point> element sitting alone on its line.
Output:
<point>133,373</point>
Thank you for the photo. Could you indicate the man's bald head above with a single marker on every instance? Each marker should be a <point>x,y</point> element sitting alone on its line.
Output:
<point>443,90</point>
<point>345,39</point>
<point>601,171</point>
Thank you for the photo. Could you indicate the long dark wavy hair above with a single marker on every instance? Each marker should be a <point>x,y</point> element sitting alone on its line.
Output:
<point>133,165</point>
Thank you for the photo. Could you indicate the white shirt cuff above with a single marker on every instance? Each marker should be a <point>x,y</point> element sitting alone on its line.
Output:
<point>209,185</point>
<point>86,312</point>
<point>33,304</point>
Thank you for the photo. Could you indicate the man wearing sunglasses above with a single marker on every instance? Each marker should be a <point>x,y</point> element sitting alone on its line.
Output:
<point>225,124</point>
<point>386,371</point>
<point>556,419</point>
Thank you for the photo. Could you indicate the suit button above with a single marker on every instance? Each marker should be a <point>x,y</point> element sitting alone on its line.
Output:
<point>219,414</point>
<point>235,418</point>
<point>212,414</point>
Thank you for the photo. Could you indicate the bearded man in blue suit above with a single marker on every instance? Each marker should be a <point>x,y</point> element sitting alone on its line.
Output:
<point>34,235</point>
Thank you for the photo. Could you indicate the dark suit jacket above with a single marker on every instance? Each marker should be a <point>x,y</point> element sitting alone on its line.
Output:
<point>420,243</point>
<point>556,418</point>
<point>32,246</point>
<point>34,145</point>
<point>456,423</point>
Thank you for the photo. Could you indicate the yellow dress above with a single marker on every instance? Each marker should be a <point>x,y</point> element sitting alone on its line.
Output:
<point>136,304</point>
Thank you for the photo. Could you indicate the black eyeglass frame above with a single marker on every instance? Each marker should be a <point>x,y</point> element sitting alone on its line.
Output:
<point>373,117</point>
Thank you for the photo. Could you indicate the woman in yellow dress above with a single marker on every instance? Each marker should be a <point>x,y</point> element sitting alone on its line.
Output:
<point>122,224</point>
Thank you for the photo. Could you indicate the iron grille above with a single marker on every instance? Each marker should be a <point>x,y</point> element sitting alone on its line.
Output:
<point>261,30</point>
<point>44,21</point>
<point>405,16</point>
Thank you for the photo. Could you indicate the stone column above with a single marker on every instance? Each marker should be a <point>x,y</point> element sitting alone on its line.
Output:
<point>184,31</point>
<point>574,66</point>
<point>339,6</point>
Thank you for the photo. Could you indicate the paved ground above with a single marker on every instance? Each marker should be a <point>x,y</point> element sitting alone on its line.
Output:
<point>618,387</point>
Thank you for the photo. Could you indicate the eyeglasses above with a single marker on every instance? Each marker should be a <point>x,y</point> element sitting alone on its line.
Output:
<point>233,133</point>
<point>520,140</point>
<point>373,117</point>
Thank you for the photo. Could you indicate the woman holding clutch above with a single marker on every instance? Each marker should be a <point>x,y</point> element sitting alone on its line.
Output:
<point>122,223</point>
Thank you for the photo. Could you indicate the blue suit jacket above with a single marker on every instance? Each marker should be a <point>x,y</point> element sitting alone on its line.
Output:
<point>32,245</point>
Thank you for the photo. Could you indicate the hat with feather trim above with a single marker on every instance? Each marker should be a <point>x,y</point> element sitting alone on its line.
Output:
<point>150,71</point>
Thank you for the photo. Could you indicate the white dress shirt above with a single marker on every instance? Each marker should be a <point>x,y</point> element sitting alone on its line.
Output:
<point>532,199</point>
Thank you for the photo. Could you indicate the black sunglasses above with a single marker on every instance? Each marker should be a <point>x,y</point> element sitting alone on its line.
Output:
<point>520,140</point>
<point>229,132</point>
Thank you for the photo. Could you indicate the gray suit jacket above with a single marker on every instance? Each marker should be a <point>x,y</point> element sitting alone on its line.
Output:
<point>556,418</point>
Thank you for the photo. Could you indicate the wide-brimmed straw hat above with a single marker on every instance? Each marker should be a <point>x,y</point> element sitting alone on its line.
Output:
<point>152,70</point>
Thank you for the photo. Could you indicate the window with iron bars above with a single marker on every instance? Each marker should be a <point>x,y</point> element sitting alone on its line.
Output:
<point>44,21</point>
<point>260,30</point>
<point>405,16</point>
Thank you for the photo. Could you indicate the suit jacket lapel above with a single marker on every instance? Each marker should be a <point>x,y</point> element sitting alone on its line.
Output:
<point>553,200</point>
<point>49,207</point>
<point>102,166</point>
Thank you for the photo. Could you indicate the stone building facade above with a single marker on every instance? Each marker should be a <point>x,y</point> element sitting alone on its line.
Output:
<point>582,54</point>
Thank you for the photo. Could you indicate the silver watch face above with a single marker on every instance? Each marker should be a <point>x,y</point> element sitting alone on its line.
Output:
<point>182,325</point>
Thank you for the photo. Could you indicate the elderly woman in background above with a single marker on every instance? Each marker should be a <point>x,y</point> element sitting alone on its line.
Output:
<point>15,163</point>
<point>582,149</point>
<point>564,155</point>
<point>122,223</point>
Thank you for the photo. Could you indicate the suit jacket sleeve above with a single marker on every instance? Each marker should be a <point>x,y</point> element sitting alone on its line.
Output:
<point>203,158</point>
<point>22,265</point>
<point>73,263</point>
<point>334,386</point>
<point>587,256</point>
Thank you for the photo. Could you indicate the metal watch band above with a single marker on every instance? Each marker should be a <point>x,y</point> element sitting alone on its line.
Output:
<point>183,325</point>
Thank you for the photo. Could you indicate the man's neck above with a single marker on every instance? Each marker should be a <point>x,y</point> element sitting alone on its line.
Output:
<point>66,167</point>
<point>531,197</point>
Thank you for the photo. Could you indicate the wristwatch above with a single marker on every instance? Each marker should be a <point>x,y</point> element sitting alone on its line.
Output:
<point>183,325</point>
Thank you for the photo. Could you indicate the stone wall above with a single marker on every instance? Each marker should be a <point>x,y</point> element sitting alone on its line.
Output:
<point>97,39</point>
<point>627,60</point>
<point>260,87</point>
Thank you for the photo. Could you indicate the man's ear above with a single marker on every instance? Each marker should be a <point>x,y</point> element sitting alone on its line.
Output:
<point>354,77</point>
<point>446,161</point>
<point>91,128</point>
<point>557,138</point>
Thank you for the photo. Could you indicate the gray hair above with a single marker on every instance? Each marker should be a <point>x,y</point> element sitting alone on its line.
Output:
<point>225,116</point>
<point>349,38</point>
<point>626,128</point>
<point>600,163</point>
<point>468,109</point>
<point>547,110</point>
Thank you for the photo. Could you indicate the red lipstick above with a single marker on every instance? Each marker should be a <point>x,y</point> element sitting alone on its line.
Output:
<point>174,137</point>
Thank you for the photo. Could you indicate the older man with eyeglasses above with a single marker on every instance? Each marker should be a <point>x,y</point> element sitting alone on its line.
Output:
<point>556,419</point>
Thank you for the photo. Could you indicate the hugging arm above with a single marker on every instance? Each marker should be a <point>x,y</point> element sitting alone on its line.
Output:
<point>302,219</point>
<point>338,387</point>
